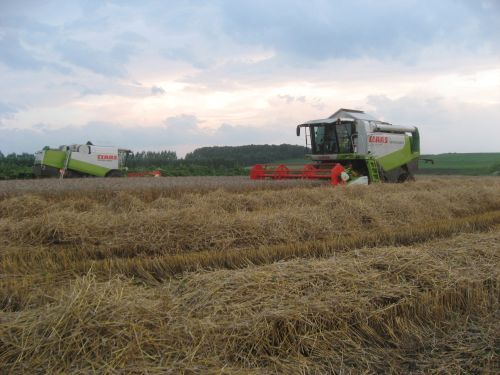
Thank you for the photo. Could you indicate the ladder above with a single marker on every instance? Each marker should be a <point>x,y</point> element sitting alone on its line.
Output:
<point>372,170</point>
<point>66,162</point>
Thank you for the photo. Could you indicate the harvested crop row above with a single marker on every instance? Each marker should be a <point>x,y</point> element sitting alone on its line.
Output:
<point>432,307</point>
<point>81,261</point>
<point>44,268</point>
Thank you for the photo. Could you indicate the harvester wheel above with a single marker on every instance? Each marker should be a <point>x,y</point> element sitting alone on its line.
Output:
<point>403,177</point>
<point>114,173</point>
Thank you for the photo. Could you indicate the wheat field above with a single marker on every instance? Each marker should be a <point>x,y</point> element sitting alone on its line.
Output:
<point>233,276</point>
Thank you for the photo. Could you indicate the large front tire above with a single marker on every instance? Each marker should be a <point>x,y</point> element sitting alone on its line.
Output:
<point>403,177</point>
<point>114,173</point>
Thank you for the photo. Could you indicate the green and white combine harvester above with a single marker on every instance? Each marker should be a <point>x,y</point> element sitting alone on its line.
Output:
<point>82,160</point>
<point>351,147</point>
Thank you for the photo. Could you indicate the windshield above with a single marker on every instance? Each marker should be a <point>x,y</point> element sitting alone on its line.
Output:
<point>332,138</point>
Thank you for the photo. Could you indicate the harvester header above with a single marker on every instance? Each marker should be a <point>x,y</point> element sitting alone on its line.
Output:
<point>351,147</point>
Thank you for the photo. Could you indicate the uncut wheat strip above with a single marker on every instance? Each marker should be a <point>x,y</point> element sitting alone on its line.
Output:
<point>153,230</point>
<point>166,266</point>
<point>66,226</point>
<point>34,278</point>
<point>56,259</point>
<point>60,223</point>
<point>104,189</point>
<point>154,226</point>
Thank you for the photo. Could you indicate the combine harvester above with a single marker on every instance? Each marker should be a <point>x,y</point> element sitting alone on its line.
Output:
<point>351,147</point>
<point>85,160</point>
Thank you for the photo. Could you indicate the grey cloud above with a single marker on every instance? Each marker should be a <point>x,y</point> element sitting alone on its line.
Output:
<point>24,23</point>
<point>291,99</point>
<point>15,55</point>
<point>410,109</point>
<point>227,76</point>
<point>445,126</point>
<point>89,23</point>
<point>314,102</point>
<point>300,33</point>
<point>156,90</point>
<point>357,28</point>
<point>130,37</point>
<point>106,62</point>
<point>80,88</point>
<point>190,55</point>
<point>176,131</point>
<point>231,135</point>
<point>183,121</point>
<point>6,110</point>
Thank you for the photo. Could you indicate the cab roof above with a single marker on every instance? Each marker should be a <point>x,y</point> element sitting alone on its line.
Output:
<point>353,113</point>
<point>344,114</point>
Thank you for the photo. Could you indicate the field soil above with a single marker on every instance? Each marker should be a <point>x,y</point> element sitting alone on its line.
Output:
<point>228,275</point>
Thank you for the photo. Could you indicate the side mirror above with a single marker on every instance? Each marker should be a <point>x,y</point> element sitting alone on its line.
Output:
<point>298,131</point>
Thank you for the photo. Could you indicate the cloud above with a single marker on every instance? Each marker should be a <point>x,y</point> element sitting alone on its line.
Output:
<point>175,133</point>
<point>15,55</point>
<point>350,29</point>
<point>445,125</point>
<point>20,22</point>
<point>131,37</point>
<point>290,99</point>
<point>7,110</point>
<point>106,62</point>
<point>190,55</point>
<point>156,90</point>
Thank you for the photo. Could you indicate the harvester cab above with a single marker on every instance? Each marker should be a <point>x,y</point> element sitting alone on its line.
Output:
<point>352,147</point>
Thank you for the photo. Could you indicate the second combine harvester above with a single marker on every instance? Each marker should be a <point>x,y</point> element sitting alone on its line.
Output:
<point>351,147</point>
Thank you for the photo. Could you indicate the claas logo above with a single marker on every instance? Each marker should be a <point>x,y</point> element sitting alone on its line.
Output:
<point>378,139</point>
<point>107,157</point>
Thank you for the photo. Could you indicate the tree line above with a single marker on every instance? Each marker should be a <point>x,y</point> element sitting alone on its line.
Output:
<point>15,166</point>
<point>247,155</point>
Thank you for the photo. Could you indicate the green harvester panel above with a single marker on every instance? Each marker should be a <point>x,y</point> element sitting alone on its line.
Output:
<point>57,158</point>
<point>396,159</point>
<point>54,158</point>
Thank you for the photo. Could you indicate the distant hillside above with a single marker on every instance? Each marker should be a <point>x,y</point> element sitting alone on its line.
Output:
<point>247,155</point>
<point>462,164</point>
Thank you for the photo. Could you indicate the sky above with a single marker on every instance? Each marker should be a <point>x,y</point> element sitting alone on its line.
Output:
<point>181,74</point>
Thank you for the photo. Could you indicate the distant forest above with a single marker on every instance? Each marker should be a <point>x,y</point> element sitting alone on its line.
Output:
<point>247,155</point>
<point>16,166</point>
<point>215,161</point>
